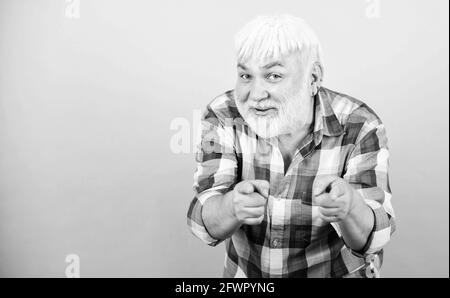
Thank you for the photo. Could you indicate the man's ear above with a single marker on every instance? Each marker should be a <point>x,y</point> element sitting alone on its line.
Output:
<point>316,77</point>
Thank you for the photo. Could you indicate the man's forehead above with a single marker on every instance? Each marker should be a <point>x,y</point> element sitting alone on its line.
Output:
<point>269,62</point>
<point>265,64</point>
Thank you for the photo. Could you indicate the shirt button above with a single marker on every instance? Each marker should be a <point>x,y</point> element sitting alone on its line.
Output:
<point>275,242</point>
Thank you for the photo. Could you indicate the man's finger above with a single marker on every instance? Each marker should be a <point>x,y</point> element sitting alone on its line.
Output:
<point>322,183</point>
<point>337,188</point>
<point>261,186</point>
<point>330,218</point>
<point>253,212</point>
<point>254,221</point>
<point>329,211</point>
<point>325,200</point>
<point>257,200</point>
<point>245,187</point>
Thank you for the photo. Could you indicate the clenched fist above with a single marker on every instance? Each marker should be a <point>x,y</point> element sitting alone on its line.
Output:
<point>249,199</point>
<point>335,197</point>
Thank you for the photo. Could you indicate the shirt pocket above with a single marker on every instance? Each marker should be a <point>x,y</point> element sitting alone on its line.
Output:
<point>298,219</point>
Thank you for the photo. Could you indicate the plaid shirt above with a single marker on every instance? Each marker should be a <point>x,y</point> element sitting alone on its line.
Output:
<point>347,140</point>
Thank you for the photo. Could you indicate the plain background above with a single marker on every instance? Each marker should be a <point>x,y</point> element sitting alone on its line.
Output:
<point>86,106</point>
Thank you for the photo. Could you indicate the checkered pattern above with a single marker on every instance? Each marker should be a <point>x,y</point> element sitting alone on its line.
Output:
<point>347,140</point>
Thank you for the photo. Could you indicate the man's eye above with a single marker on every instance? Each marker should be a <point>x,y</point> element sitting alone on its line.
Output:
<point>274,77</point>
<point>245,76</point>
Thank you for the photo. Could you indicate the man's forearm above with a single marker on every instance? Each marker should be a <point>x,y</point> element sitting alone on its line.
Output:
<point>218,217</point>
<point>357,226</point>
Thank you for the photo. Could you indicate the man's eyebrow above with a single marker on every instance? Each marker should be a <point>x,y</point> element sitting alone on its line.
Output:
<point>272,64</point>
<point>242,66</point>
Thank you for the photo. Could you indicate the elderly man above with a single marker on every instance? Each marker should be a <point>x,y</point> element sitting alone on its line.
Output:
<point>291,175</point>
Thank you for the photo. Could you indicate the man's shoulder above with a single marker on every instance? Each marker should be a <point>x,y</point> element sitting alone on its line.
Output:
<point>349,109</point>
<point>223,107</point>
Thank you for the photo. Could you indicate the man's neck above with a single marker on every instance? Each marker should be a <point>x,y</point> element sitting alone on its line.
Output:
<point>292,140</point>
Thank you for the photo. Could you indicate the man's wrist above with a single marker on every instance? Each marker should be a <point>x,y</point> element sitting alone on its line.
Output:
<point>228,208</point>
<point>357,210</point>
<point>358,205</point>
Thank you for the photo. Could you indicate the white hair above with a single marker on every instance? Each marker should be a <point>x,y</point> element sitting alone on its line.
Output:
<point>275,36</point>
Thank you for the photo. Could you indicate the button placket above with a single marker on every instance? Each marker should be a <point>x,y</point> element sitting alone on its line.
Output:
<point>275,243</point>
<point>372,269</point>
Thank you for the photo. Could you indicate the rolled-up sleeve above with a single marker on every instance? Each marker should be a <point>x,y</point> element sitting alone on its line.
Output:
<point>367,171</point>
<point>216,170</point>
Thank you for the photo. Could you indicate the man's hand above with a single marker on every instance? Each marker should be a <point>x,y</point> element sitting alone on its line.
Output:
<point>249,199</point>
<point>339,202</point>
<point>335,197</point>
<point>245,204</point>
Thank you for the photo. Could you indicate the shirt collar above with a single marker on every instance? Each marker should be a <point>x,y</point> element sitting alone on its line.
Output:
<point>325,120</point>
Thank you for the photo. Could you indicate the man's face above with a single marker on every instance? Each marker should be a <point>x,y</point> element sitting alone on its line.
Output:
<point>274,96</point>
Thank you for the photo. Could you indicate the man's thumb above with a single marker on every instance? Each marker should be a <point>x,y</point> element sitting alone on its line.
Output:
<point>245,188</point>
<point>322,183</point>
<point>261,186</point>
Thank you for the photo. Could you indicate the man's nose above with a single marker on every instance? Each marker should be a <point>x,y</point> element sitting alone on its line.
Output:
<point>258,91</point>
